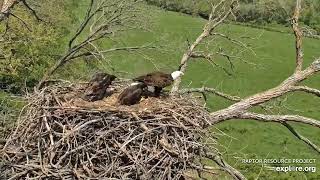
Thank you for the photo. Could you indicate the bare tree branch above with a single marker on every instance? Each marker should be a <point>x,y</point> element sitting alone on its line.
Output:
<point>298,34</point>
<point>21,20</point>
<point>283,119</point>
<point>6,7</point>
<point>130,48</point>
<point>210,58</point>
<point>226,167</point>
<point>85,22</point>
<point>209,27</point>
<point>307,90</point>
<point>235,41</point>
<point>210,90</point>
<point>201,55</point>
<point>280,118</point>
<point>106,18</point>
<point>239,110</point>
<point>31,9</point>
<point>286,86</point>
<point>302,138</point>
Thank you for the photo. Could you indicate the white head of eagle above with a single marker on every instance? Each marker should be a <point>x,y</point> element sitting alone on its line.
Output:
<point>176,74</point>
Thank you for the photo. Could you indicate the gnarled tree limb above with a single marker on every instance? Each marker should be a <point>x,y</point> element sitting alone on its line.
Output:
<point>235,110</point>
<point>302,138</point>
<point>239,109</point>
<point>307,90</point>
<point>284,119</point>
<point>280,118</point>
<point>298,34</point>
<point>226,167</point>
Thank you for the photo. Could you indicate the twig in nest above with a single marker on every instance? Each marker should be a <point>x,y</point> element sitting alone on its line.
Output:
<point>114,142</point>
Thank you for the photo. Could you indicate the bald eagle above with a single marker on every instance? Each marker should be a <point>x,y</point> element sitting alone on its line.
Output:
<point>132,94</point>
<point>97,87</point>
<point>156,81</point>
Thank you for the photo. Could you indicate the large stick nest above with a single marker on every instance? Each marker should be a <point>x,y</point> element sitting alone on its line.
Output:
<point>60,135</point>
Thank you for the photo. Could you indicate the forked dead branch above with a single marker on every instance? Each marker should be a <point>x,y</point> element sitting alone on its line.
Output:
<point>242,106</point>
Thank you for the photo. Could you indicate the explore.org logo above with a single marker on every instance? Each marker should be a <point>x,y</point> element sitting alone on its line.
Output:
<point>294,168</point>
<point>285,165</point>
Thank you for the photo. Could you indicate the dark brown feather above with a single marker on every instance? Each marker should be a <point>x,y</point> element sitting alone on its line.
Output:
<point>97,87</point>
<point>131,95</point>
<point>157,79</point>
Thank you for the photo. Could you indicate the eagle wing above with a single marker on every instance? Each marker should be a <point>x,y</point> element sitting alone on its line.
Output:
<point>130,95</point>
<point>158,79</point>
<point>97,87</point>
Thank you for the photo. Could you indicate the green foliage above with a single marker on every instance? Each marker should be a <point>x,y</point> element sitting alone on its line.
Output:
<point>10,107</point>
<point>28,47</point>
<point>263,12</point>
<point>253,11</point>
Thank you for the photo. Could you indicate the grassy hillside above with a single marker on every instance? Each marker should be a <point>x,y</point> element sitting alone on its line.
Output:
<point>271,62</point>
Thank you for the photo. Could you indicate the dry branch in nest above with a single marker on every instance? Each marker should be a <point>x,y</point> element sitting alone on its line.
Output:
<point>60,135</point>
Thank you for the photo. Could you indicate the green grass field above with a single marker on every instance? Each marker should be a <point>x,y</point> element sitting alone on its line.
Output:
<point>272,61</point>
